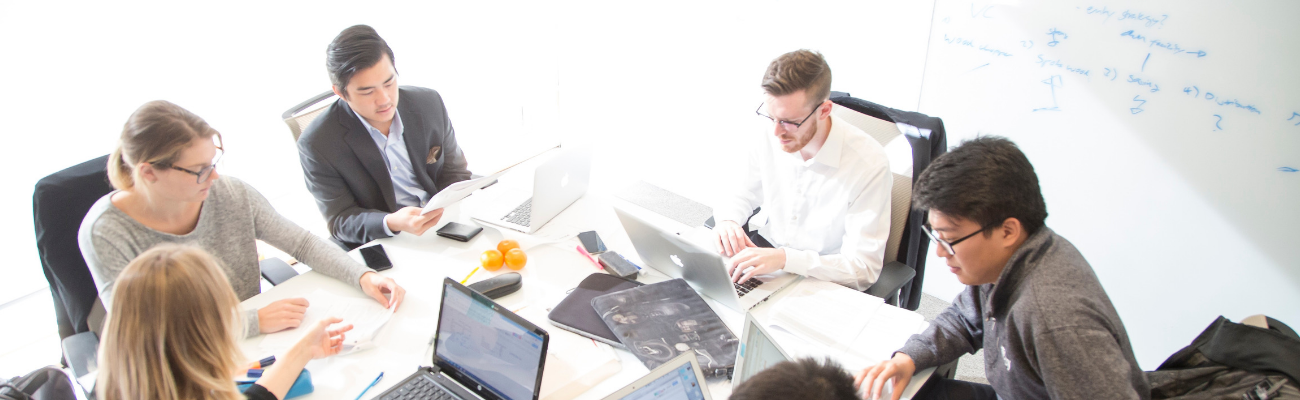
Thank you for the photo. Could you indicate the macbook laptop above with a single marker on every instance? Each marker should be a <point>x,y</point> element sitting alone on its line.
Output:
<point>757,351</point>
<point>481,351</point>
<point>705,270</point>
<point>557,183</point>
<point>677,379</point>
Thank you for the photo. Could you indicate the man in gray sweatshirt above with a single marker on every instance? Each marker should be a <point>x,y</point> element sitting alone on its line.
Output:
<point>1032,301</point>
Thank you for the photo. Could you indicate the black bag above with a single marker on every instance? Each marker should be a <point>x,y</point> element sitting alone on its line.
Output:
<point>48,383</point>
<point>1232,361</point>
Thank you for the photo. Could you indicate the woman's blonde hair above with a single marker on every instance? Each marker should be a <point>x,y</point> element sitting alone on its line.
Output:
<point>156,133</point>
<point>171,329</point>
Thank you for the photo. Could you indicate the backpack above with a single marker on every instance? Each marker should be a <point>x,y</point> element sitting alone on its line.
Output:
<point>47,383</point>
<point>1232,361</point>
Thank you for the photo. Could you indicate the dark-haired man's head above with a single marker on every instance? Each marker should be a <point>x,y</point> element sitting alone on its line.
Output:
<point>362,72</point>
<point>805,378</point>
<point>984,202</point>
<point>798,87</point>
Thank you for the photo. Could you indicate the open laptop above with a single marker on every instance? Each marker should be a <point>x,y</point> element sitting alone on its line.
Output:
<point>757,351</point>
<point>482,351</point>
<point>705,270</point>
<point>557,183</point>
<point>677,379</point>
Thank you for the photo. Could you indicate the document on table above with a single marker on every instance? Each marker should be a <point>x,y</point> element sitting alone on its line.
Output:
<point>857,328</point>
<point>367,317</point>
<point>460,190</point>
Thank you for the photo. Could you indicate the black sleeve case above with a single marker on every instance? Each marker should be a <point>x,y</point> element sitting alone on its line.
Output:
<point>575,314</point>
<point>660,321</point>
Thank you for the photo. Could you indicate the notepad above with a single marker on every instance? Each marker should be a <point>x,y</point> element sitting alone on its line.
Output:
<point>367,317</point>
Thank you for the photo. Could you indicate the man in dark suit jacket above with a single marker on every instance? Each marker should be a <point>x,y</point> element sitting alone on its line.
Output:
<point>370,160</point>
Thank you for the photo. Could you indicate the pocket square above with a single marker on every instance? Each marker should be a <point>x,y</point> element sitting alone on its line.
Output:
<point>433,155</point>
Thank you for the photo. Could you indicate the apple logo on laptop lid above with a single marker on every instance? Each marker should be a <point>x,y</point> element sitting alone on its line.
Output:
<point>677,260</point>
<point>564,181</point>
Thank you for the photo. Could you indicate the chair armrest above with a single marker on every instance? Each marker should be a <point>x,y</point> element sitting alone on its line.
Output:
<point>81,350</point>
<point>892,278</point>
<point>276,270</point>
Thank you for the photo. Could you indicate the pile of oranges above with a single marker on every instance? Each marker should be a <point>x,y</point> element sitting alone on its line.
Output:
<point>507,253</point>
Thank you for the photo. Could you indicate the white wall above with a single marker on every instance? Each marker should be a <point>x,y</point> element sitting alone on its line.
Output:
<point>662,89</point>
<point>1182,202</point>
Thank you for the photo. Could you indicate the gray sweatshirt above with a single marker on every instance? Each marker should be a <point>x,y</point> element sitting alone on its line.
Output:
<point>1047,328</point>
<point>232,218</point>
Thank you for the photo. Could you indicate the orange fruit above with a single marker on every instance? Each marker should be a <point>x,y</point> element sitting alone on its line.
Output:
<point>515,259</point>
<point>491,260</point>
<point>505,246</point>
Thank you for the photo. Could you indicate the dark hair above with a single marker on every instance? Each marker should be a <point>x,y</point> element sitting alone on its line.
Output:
<point>356,48</point>
<point>985,180</point>
<point>805,378</point>
<point>799,70</point>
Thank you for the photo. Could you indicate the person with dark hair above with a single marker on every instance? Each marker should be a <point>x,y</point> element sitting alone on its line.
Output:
<point>823,185</point>
<point>1032,302</point>
<point>370,160</point>
<point>805,378</point>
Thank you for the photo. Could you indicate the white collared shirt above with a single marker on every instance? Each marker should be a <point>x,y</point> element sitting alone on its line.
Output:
<point>830,213</point>
<point>406,191</point>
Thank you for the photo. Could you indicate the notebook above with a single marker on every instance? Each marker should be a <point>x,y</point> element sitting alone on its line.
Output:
<point>660,321</point>
<point>575,314</point>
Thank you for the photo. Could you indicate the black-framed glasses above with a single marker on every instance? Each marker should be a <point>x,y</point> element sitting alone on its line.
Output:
<point>203,173</point>
<point>787,125</point>
<point>947,246</point>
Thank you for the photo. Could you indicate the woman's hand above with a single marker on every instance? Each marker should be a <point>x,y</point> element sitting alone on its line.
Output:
<point>321,341</point>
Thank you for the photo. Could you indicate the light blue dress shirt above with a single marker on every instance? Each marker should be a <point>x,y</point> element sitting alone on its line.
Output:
<point>406,190</point>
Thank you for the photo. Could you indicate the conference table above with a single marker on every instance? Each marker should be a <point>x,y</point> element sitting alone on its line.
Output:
<point>554,267</point>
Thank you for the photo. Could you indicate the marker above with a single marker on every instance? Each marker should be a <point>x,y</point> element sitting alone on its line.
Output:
<point>585,254</point>
<point>263,363</point>
<point>471,273</point>
<point>372,384</point>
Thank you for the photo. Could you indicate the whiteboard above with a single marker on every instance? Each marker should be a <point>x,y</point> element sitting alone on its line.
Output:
<point>1165,135</point>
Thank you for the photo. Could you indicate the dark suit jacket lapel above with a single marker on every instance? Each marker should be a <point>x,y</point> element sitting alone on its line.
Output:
<point>364,147</point>
<point>415,131</point>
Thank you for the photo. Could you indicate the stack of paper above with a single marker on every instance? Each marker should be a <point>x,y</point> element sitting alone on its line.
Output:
<point>367,317</point>
<point>853,327</point>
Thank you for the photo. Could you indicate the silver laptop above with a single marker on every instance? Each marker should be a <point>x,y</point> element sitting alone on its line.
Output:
<point>704,269</point>
<point>557,183</point>
<point>757,351</point>
<point>677,379</point>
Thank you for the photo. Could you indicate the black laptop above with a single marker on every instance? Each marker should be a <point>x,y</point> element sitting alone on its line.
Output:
<point>482,350</point>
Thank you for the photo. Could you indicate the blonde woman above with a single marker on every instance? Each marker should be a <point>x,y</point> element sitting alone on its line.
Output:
<point>168,191</point>
<point>172,330</point>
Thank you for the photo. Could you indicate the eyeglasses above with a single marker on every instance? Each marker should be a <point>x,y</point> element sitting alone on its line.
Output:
<point>947,246</point>
<point>203,173</point>
<point>787,125</point>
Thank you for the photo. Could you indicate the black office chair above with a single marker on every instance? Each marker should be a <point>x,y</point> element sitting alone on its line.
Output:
<point>59,203</point>
<point>904,271</point>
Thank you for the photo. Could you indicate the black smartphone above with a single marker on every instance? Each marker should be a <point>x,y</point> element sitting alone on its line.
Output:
<point>376,258</point>
<point>591,241</point>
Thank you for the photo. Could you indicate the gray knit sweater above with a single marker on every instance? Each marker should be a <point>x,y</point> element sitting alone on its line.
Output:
<point>1047,328</point>
<point>230,220</point>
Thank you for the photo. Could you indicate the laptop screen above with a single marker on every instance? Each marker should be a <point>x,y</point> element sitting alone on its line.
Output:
<point>678,384</point>
<point>758,351</point>
<point>479,341</point>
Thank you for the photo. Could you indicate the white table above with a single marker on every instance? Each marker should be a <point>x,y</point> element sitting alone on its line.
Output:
<point>421,263</point>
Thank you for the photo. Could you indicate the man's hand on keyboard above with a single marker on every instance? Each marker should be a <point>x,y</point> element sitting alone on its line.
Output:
<point>731,238</point>
<point>755,261</point>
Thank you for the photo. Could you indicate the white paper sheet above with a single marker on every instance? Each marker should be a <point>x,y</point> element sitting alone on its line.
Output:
<point>825,312</point>
<point>367,317</point>
<point>460,190</point>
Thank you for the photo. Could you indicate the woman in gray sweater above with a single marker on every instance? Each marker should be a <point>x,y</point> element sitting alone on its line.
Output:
<point>168,191</point>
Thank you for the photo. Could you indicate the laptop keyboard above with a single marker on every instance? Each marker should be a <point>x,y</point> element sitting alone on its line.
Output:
<point>520,215</point>
<point>744,288</point>
<point>420,388</point>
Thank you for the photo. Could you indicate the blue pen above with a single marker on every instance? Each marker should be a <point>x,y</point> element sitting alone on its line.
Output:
<point>372,384</point>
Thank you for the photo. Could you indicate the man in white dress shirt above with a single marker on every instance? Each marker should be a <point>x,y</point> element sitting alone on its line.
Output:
<point>823,185</point>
